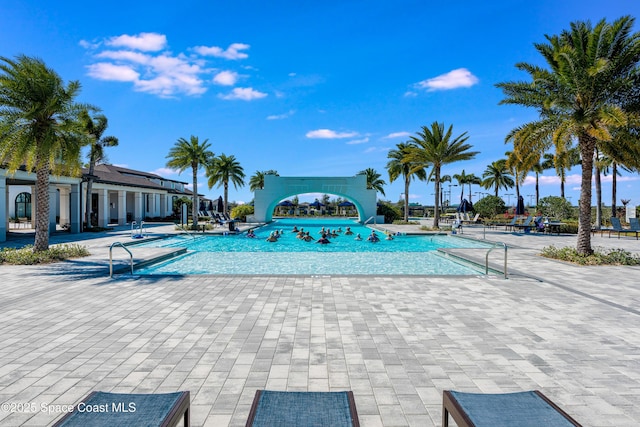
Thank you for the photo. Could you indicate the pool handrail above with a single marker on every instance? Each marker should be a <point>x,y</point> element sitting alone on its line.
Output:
<point>111,257</point>
<point>185,231</point>
<point>505,258</point>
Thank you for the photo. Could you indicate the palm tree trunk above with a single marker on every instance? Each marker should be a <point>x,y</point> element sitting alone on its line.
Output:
<point>407,181</point>
<point>598,185</point>
<point>436,214</point>
<point>195,206</point>
<point>226,195</point>
<point>614,188</point>
<point>87,210</point>
<point>587,146</point>
<point>537,189</point>
<point>41,242</point>
<point>562,178</point>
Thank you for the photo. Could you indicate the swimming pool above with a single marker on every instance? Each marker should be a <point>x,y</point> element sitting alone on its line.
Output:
<point>238,254</point>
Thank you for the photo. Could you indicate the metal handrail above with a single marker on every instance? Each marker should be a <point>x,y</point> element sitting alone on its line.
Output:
<point>369,219</point>
<point>505,258</point>
<point>111,256</point>
<point>185,231</point>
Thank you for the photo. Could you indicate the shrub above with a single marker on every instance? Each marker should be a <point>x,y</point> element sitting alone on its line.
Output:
<point>599,256</point>
<point>390,213</point>
<point>241,211</point>
<point>489,206</point>
<point>555,207</point>
<point>26,255</point>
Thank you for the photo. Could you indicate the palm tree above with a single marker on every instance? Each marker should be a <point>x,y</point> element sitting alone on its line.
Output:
<point>497,176</point>
<point>400,165</point>
<point>95,127</point>
<point>623,151</point>
<point>190,154</point>
<point>590,70</point>
<point>256,182</point>
<point>472,179</point>
<point>518,167</point>
<point>436,147</point>
<point>374,182</point>
<point>222,170</point>
<point>39,128</point>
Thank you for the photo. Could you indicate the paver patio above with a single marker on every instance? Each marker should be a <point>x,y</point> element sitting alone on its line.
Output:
<point>397,342</point>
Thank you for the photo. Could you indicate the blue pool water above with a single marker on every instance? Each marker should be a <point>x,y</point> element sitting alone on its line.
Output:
<point>238,254</point>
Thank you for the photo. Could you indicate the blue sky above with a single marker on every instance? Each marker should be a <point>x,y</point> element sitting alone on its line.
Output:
<point>305,88</point>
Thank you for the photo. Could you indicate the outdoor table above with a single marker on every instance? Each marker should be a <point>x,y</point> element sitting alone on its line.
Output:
<point>553,227</point>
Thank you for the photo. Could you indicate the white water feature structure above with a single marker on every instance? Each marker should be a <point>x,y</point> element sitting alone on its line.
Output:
<point>277,188</point>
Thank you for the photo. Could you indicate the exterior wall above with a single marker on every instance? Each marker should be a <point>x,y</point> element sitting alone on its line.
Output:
<point>277,188</point>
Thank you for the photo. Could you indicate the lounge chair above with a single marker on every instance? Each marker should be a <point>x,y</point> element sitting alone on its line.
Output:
<point>100,409</point>
<point>281,408</point>
<point>616,227</point>
<point>526,225</point>
<point>634,224</point>
<point>522,409</point>
<point>508,225</point>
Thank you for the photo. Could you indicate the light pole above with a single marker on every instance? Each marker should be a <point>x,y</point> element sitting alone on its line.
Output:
<point>530,196</point>
<point>509,199</point>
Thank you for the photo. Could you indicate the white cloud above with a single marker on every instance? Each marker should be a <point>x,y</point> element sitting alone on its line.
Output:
<point>232,52</point>
<point>329,134</point>
<point>281,116</point>
<point>454,79</point>
<point>148,42</point>
<point>244,94</point>
<point>396,135</point>
<point>226,78</point>
<point>108,71</point>
<point>359,141</point>
<point>164,171</point>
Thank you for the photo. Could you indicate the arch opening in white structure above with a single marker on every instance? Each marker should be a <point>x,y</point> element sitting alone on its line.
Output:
<point>277,188</point>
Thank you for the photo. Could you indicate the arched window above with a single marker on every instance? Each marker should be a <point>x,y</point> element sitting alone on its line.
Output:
<point>23,205</point>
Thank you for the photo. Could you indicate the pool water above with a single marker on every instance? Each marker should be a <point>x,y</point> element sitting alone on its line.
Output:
<point>238,254</point>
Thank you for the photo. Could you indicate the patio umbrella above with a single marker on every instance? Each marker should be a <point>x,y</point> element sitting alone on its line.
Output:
<point>464,206</point>
<point>316,204</point>
<point>520,206</point>
<point>346,204</point>
<point>210,206</point>
<point>285,203</point>
<point>220,205</point>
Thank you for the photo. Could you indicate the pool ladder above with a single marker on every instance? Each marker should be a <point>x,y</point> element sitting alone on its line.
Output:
<point>486,261</point>
<point>111,257</point>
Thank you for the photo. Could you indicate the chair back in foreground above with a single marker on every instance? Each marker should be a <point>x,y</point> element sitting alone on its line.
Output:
<point>522,409</point>
<point>100,409</point>
<point>297,409</point>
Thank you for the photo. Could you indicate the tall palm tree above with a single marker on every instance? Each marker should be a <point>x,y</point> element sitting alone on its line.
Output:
<point>256,182</point>
<point>400,165</point>
<point>95,127</point>
<point>497,176</point>
<point>222,170</point>
<point>374,182</point>
<point>623,151</point>
<point>472,180</point>
<point>191,154</point>
<point>589,70</point>
<point>518,167</point>
<point>437,147</point>
<point>39,128</point>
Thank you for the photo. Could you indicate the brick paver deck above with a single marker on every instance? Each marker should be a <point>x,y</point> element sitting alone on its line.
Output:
<point>397,342</point>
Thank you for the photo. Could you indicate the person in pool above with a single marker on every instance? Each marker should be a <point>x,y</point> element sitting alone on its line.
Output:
<point>373,237</point>
<point>272,237</point>
<point>295,229</point>
<point>323,240</point>
<point>251,234</point>
<point>358,237</point>
<point>307,237</point>
<point>348,231</point>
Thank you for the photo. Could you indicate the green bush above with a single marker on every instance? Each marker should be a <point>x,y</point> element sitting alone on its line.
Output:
<point>489,206</point>
<point>26,255</point>
<point>599,257</point>
<point>555,207</point>
<point>390,213</point>
<point>241,211</point>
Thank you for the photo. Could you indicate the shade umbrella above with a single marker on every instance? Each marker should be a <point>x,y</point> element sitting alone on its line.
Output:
<point>285,203</point>
<point>210,206</point>
<point>520,206</point>
<point>464,206</point>
<point>346,204</point>
<point>220,204</point>
<point>316,204</point>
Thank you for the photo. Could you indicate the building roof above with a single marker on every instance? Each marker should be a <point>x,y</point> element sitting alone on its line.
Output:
<point>110,174</point>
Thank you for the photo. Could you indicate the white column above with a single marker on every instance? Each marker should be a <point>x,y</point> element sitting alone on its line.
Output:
<point>122,207</point>
<point>64,206</point>
<point>103,208</point>
<point>138,215</point>
<point>163,205</point>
